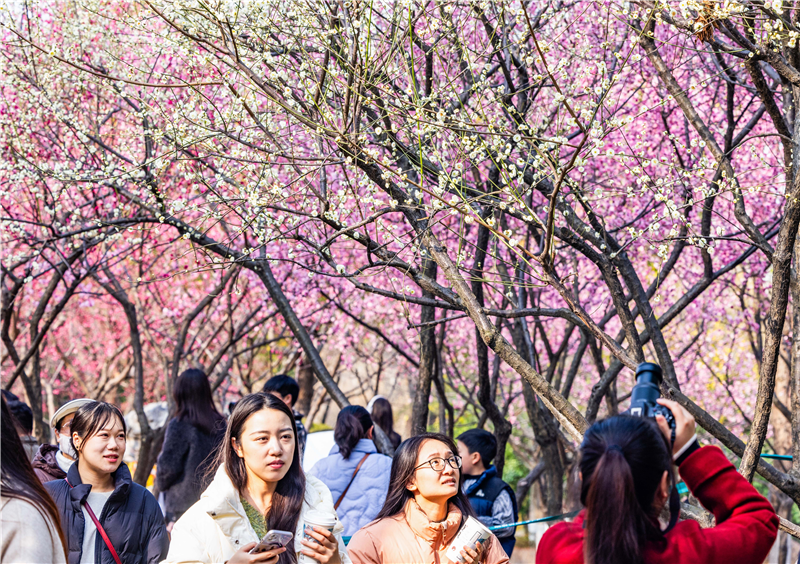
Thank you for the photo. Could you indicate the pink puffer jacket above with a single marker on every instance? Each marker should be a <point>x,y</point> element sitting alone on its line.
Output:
<point>410,537</point>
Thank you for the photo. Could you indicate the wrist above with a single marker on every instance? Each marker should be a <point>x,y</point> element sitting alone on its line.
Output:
<point>686,450</point>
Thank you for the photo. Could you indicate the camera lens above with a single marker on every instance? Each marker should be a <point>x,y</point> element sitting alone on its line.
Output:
<point>649,372</point>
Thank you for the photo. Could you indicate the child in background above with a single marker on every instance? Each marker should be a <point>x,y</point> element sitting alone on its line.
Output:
<point>493,500</point>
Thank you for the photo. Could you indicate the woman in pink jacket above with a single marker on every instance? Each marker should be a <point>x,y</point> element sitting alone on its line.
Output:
<point>424,510</point>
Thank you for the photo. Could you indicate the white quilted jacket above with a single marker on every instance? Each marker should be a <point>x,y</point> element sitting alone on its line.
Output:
<point>215,527</point>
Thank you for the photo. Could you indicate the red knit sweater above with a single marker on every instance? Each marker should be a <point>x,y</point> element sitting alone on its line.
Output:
<point>746,522</point>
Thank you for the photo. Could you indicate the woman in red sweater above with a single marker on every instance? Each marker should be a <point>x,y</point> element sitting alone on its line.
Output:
<point>626,468</point>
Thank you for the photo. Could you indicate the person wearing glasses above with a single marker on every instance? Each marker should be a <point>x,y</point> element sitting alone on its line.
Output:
<point>424,509</point>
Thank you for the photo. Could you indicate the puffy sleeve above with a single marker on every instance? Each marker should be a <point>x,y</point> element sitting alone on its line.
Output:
<point>495,553</point>
<point>364,548</point>
<point>187,545</point>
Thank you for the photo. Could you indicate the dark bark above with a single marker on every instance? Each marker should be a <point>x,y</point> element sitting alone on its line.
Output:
<point>427,359</point>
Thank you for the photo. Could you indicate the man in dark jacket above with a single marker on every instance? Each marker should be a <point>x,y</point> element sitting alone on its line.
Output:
<point>131,518</point>
<point>493,500</point>
<point>52,462</point>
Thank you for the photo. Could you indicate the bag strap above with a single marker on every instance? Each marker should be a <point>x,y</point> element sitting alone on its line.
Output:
<point>344,493</point>
<point>99,527</point>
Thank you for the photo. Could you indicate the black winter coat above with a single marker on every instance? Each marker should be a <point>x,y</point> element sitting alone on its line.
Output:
<point>184,461</point>
<point>131,518</point>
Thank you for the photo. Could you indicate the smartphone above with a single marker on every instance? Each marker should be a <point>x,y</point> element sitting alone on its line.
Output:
<point>272,540</point>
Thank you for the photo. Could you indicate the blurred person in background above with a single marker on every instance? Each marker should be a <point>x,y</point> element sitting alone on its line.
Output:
<point>52,462</point>
<point>381,411</point>
<point>31,524</point>
<point>23,423</point>
<point>285,388</point>
<point>190,443</point>
<point>356,474</point>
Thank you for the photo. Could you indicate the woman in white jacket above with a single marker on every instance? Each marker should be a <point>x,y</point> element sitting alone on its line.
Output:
<point>259,486</point>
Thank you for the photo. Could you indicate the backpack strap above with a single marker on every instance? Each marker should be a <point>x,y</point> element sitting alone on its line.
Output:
<point>344,493</point>
<point>99,527</point>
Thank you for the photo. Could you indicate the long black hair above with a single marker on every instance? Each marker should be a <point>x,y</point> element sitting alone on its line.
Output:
<point>290,491</point>
<point>194,403</point>
<point>352,425</point>
<point>623,460</point>
<point>17,478</point>
<point>404,464</point>
<point>383,417</point>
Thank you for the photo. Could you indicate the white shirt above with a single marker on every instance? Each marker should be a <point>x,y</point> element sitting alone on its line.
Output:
<point>97,501</point>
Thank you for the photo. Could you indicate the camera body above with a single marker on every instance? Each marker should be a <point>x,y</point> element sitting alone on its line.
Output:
<point>645,393</point>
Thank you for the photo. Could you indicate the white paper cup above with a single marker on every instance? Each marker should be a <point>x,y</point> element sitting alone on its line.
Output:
<point>315,519</point>
<point>469,536</point>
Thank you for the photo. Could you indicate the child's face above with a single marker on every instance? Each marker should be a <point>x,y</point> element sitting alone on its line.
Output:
<point>469,461</point>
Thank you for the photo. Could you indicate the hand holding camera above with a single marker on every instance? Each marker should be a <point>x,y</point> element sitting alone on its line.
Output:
<point>684,424</point>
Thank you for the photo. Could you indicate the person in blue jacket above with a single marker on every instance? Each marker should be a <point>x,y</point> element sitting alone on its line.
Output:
<point>493,500</point>
<point>354,471</point>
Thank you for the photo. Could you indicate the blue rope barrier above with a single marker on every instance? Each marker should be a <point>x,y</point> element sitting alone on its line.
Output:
<point>778,456</point>
<point>540,520</point>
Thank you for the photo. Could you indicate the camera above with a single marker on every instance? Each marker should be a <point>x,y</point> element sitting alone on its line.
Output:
<point>645,393</point>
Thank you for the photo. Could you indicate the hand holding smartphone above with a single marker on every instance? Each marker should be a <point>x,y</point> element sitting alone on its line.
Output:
<point>272,540</point>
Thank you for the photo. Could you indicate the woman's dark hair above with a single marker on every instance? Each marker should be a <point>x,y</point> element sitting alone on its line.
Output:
<point>193,401</point>
<point>17,478</point>
<point>623,459</point>
<point>382,417</point>
<point>290,491</point>
<point>404,465</point>
<point>91,418</point>
<point>352,425</point>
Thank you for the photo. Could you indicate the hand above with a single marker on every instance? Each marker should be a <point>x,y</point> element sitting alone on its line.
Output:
<point>243,556</point>
<point>472,556</point>
<point>325,550</point>
<point>684,424</point>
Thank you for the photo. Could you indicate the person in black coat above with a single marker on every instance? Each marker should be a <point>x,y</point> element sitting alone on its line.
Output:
<point>191,440</point>
<point>99,484</point>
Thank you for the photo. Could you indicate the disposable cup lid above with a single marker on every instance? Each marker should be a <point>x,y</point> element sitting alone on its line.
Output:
<point>320,518</point>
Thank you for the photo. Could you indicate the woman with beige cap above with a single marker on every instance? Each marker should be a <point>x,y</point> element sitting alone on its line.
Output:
<point>52,462</point>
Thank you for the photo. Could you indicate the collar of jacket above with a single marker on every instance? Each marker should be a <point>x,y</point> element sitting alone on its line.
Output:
<point>363,445</point>
<point>80,491</point>
<point>487,474</point>
<point>45,456</point>
<point>438,533</point>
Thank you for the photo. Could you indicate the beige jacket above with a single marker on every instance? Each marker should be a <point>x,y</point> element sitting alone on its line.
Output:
<point>409,537</point>
<point>27,535</point>
<point>215,527</point>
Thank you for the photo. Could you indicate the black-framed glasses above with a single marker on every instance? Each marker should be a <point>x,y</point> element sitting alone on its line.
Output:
<point>437,464</point>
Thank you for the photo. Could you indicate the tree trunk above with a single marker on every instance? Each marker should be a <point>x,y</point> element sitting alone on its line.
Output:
<point>427,359</point>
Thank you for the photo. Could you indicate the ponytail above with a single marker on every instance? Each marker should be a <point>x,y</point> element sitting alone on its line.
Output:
<point>352,425</point>
<point>623,460</point>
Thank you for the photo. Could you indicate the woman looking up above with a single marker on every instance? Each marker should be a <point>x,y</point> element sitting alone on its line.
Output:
<point>424,509</point>
<point>106,517</point>
<point>259,486</point>
<point>626,469</point>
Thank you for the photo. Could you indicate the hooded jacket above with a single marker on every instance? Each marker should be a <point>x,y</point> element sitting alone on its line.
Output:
<point>411,537</point>
<point>131,518</point>
<point>45,465</point>
<point>368,491</point>
<point>215,527</point>
<point>746,522</point>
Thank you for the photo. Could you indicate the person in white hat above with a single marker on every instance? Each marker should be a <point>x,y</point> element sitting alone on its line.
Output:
<point>53,461</point>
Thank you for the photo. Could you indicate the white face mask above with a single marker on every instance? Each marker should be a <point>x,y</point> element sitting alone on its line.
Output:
<point>65,446</point>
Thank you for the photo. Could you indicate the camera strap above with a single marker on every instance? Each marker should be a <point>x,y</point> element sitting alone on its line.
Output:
<point>674,508</point>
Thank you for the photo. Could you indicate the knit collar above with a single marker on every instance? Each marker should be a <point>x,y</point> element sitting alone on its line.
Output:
<point>441,532</point>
